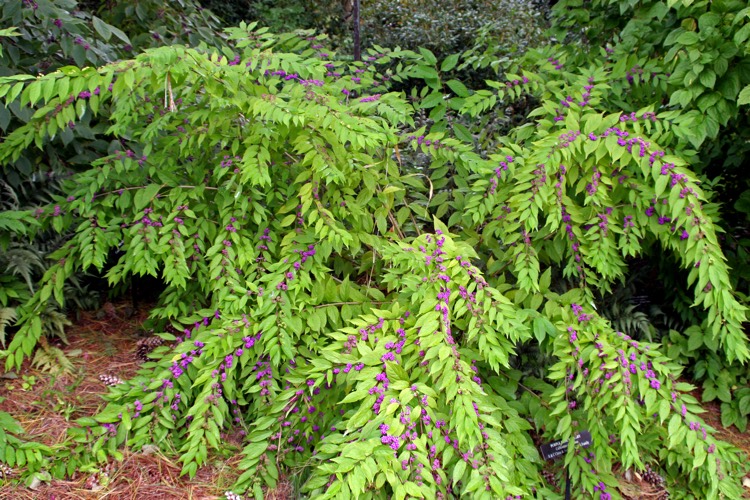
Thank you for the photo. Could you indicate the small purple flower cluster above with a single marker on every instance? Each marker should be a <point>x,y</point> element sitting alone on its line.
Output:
<point>586,95</point>
<point>559,187</point>
<point>570,100</point>
<point>471,297</point>
<point>676,178</point>
<point>576,246</point>
<point>504,166</point>
<point>319,83</point>
<point>593,186</point>
<point>663,220</point>
<point>228,161</point>
<point>566,139</point>
<point>314,83</point>
<point>515,83</point>
<point>539,180</point>
<point>427,142</point>
<point>648,115</point>
<point>179,366</point>
<point>381,379</point>
<point>230,227</point>
<point>602,488</point>
<point>264,373</point>
<point>476,378</point>
<point>371,98</point>
<point>304,255</point>
<point>391,441</point>
<point>80,41</point>
<point>624,141</point>
<point>436,259</point>
<point>604,221</point>
<point>138,407</point>
<point>283,285</point>
<point>557,64</point>
<point>264,238</point>
<point>580,315</point>
<point>621,178</point>
<point>86,94</point>
<point>636,70</point>
<point>129,154</point>
<point>283,74</point>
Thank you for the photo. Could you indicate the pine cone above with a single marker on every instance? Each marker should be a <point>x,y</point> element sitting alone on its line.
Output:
<point>92,482</point>
<point>145,346</point>
<point>652,477</point>
<point>5,471</point>
<point>110,380</point>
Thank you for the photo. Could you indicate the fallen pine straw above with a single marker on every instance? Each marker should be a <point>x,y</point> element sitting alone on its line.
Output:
<point>50,405</point>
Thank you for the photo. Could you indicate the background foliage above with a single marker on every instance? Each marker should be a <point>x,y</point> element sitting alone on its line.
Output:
<point>392,277</point>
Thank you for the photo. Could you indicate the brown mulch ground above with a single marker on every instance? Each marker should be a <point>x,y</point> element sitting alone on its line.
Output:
<point>48,407</point>
<point>107,345</point>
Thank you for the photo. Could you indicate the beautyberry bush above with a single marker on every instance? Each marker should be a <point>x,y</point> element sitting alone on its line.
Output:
<point>351,287</point>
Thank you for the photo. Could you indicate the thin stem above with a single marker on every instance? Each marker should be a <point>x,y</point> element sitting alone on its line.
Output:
<point>355,303</point>
<point>210,188</point>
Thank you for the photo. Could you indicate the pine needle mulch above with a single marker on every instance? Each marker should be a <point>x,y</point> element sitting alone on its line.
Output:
<point>46,406</point>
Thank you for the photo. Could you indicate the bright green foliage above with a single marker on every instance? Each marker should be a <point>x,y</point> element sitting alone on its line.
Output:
<point>693,58</point>
<point>17,452</point>
<point>51,34</point>
<point>351,288</point>
<point>695,54</point>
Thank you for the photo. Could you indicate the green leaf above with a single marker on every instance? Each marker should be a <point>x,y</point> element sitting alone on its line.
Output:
<point>428,55</point>
<point>144,196</point>
<point>458,471</point>
<point>699,455</point>
<point>449,62</point>
<point>432,100</point>
<point>119,34</point>
<point>744,97</point>
<point>462,133</point>
<point>458,88</point>
<point>708,78</point>
<point>543,328</point>
<point>102,28</point>
<point>688,38</point>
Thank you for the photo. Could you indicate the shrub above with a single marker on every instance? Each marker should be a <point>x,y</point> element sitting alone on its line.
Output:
<point>49,35</point>
<point>355,316</point>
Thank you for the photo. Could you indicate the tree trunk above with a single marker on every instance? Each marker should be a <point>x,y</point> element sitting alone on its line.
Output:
<point>355,20</point>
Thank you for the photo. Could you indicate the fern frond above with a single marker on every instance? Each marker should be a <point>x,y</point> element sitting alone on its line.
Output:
<point>52,360</point>
<point>23,262</point>
<point>9,198</point>
<point>54,323</point>
<point>7,317</point>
